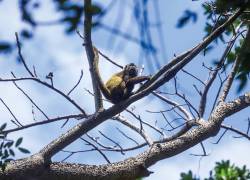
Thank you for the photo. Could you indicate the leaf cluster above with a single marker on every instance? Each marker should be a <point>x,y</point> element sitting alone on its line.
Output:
<point>223,170</point>
<point>8,147</point>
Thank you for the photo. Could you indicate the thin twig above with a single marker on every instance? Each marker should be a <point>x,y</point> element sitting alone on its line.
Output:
<point>204,151</point>
<point>49,86</point>
<point>190,74</point>
<point>217,142</point>
<point>143,122</point>
<point>21,56</point>
<point>165,118</point>
<point>125,135</point>
<point>175,104</point>
<point>95,139</point>
<point>130,125</point>
<point>19,88</point>
<point>236,131</point>
<point>117,144</point>
<point>97,149</point>
<point>208,84</point>
<point>12,114</point>
<point>110,60</point>
<point>42,122</point>
<point>78,82</point>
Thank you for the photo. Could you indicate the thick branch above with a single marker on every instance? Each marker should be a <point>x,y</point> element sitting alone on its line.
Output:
<point>90,52</point>
<point>171,71</point>
<point>231,76</point>
<point>94,120</point>
<point>130,168</point>
<point>135,167</point>
<point>222,60</point>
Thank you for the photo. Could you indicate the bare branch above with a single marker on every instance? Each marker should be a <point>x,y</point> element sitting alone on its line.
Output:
<point>110,60</point>
<point>171,69</point>
<point>222,60</point>
<point>96,148</point>
<point>47,85</point>
<point>218,92</point>
<point>99,117</point>
<point>95,139</point>
<point>18,87</point>
<point>116,143</point>
<point>175,104</point>
<point>229,81</point>
<point>43,122</point>
<point>21,56</point>
<point>203,149</point>
<point>125,135</point>
<point>236,131</point>
<point>143,122</point>
<point>193,76</point>
<point>217,142</point>
<point>90,53</point>
<point>231,76</point>
<point>139,131</point>
<point>12,114</point>
<point>78,82</point>
<point>165,118</point>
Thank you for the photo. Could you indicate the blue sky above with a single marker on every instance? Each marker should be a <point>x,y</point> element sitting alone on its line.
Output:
<point>51,50</point>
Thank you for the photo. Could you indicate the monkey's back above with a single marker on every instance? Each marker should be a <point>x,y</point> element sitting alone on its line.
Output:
<point>117,88</point>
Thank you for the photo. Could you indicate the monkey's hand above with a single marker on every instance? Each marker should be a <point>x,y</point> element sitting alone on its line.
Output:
<point>137,80</point>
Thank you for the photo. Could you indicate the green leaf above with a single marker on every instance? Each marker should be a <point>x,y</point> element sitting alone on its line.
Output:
<point>231,57</point>
<point>8,160</point>
<point>243,81</point>
<point>19,141</point>
<point>93,9</point>
<point>11,152</point>
<point>26,34</point>
<point>207,49</point>
<point>6,154</point>
<point>1,145</point>
<point>9,144</point>
<point>5,47</point>
<point>187,17</point>
<point>23,150</point>
<point>3,127</point>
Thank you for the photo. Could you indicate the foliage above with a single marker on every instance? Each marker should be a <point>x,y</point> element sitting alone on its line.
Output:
<point>71,18</point>
<point>5,47</point>
<point>223,6</point>
<point>8,148</point>
<point>216,14</point>
<point>222,171</point>
<point>188,176</point>
<point>186,17</point>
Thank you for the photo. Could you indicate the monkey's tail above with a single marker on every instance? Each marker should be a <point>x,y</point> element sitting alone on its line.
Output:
<point>102,86</point>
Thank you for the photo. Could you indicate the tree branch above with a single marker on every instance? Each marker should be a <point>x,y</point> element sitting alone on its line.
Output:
<point>90,52</point>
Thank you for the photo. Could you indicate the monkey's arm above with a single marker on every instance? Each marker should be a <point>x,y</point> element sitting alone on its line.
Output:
<point>137,80</point>
<point>103,88</point>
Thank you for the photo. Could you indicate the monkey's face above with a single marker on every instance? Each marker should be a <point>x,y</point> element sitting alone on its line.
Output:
<point>131,70</point>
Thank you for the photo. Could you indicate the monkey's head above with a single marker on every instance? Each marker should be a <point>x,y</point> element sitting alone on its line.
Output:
<point>131,70</point>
